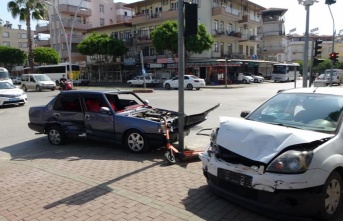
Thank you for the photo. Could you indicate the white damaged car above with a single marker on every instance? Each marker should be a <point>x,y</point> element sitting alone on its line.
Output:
<point>286,156</point>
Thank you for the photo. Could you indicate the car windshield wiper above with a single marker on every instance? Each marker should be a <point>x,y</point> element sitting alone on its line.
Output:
<point>285,125</point>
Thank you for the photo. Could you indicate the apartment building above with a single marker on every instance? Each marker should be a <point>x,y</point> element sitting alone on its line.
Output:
<point>72,19</point>
<point>233,24</point>
<point>296,45</point>
<point>14,37</point>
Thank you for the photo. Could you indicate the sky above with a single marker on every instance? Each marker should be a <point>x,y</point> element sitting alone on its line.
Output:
<point>295,17</point>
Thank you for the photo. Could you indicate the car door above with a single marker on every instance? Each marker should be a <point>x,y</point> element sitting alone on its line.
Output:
<point>67,111</point>
<point>174,83</point>
<point>99,124</point>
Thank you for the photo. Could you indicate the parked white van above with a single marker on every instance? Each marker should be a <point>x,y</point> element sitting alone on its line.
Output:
<point>5,76</point>
<point>37,82</point>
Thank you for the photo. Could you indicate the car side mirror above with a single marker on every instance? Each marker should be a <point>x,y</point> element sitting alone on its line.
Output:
<point>245,113</point>
<point>105,110</point>
<point>146,102</point>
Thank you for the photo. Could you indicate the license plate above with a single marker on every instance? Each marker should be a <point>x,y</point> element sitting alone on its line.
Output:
<point>14,99</point>
<point>236,178</point>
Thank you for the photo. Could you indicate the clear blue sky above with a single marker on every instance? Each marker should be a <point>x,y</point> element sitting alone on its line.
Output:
<point>295,17</point>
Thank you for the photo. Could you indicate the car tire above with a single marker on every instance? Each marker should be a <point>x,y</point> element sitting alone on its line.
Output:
<point>24,87</point>
<point>167,86</point>
<point>135,142</point>
<point>245,81</point>
<point>56,136</point>
<point>255,81</point>
<point>332,197</point>
<point>38,88</point>
<point>198,88</point>
<point>189,86</point>
<point>130,84</point>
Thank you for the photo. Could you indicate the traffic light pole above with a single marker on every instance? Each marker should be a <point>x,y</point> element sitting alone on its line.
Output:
<point>312,62</point>
<point>333,43</point>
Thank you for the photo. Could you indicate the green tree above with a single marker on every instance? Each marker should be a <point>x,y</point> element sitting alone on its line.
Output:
<point>165,37</point>
<point>27,10</point>
<point>11,57</point>
<point>44,55</point>
<point>102,48</point>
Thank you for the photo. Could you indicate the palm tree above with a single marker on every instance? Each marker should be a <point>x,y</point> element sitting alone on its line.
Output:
<point>27,10</point>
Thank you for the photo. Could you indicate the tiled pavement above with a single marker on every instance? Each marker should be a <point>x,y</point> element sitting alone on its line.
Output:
<point>95,181</point>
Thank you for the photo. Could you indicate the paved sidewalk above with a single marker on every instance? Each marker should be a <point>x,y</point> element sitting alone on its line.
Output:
<point>96,181</point>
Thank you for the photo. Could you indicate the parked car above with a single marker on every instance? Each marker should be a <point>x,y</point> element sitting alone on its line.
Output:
<point>286,156</point>
<point>247,79</point>
<point>16,80</point>
<point>149,81</point>
<point>115,116</point>
<point>10,94</point>
<point>37,82</point>
<point>324,79</point>
<point>256,78</point>
<point>190,82</point>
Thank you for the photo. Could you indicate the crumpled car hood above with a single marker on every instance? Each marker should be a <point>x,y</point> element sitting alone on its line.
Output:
<point>260,141</point>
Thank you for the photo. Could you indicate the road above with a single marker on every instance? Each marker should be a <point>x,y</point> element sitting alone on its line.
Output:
<point>89,180</point>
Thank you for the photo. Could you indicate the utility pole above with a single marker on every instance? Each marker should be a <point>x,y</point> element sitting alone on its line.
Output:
<point>307,4</point>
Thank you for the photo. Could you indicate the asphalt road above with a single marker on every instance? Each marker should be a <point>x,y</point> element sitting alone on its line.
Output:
<point>89,180</point>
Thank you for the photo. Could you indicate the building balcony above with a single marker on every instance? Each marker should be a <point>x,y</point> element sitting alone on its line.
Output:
<point>77,24</point>
<point>71,9</point>
<point>224,12</point>
<point>251,20</point>
<point>156,17</point>
<point>143,39</point>
<point>273,50</point>
<point>43,43</point>
<point>42,28</point>
<point>251,38</point>
<point>226,35</point>
<point>273,33</point>
<point>234,56</point>
<point>75,39</point>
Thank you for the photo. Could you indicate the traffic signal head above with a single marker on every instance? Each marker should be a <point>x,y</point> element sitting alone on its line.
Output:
<point>334,57</point>
<point>318,48</point>
<point>316,61</point>
<point>329,2</point>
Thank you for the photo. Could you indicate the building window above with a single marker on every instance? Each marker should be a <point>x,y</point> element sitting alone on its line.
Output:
<point>215,25</point>
<point>101,8</point>
<point>102,21</point>
<point>24,44</point>
<point>221,27</point>
<point>229,48</point>
<point>216,47</point>
<point>24,35</point>
<point>19,44</point>
<point>19,35</point>
<point>173,5</point>
<point>6,43</point>
<point>165,2</point>
<point>5,34</point>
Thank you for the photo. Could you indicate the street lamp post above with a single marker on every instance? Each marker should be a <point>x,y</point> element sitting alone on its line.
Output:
<point>307,4</point>
<point>70,41</point>
<point>62,26</point>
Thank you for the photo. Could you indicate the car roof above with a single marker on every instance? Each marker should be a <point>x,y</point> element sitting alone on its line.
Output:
<point>316,90</point>
<point>97,92</point>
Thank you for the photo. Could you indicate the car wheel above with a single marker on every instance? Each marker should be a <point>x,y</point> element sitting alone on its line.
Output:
<point>167,86</point>
<point>189,86</point>
<point>244,81</point>
<point>24,87</point>
<point>332,197</point>
<point>255,81</point>
<point>135,142</point>
<point>198,88</point>
<point>54,88</point>
<point>38,88</point>
<point>56,136</point>
<point>130,84</point>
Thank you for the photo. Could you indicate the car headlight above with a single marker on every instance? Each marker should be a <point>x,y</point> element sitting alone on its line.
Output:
<point>213,147</point>
<point>292,161</point>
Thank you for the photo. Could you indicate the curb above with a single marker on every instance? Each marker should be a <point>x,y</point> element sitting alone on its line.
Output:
<point>143,91</point>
